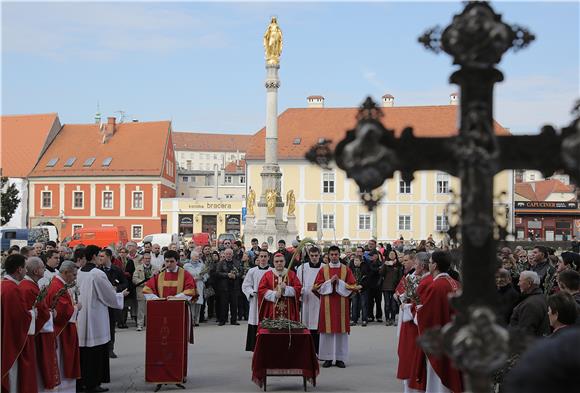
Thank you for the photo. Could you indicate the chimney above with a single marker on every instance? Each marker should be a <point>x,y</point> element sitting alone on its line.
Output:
<point>388,101</point>
<point>453,99</point>
<point>315,101</point>
<point>109,129</point>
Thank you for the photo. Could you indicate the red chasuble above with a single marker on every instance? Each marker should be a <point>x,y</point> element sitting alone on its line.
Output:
<point>407,338</point>
<point>334,309</point>
<point>27,360</point>
<point>167,284</point>
<point>63,330</point>
<point>285,307</point>
<point>15,323</point>
<point>436,312</point>
<point>418,379</point>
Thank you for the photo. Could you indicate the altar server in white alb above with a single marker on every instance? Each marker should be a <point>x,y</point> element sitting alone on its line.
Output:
<point>307,273</point>
<point>250,289</point>
<point>96,295</point>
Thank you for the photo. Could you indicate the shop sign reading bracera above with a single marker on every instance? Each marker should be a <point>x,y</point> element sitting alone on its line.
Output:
<point>546,205</point>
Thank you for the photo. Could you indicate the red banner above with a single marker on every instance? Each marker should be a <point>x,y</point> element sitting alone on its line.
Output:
<point>166,343</point>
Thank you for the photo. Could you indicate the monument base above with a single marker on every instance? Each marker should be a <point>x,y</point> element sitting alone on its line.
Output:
<point>270,230</point>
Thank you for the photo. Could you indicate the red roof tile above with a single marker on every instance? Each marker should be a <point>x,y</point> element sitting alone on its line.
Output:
<point>23,137</point>
<point>542,189</point>
<point>136,149</point>
<point>194,141</point>
<point>233,167</point>
<point>311,124</point>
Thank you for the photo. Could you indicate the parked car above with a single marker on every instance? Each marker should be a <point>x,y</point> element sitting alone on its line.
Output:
<point>163,239</point>
<point>22,237</point>
<point>100,236</point>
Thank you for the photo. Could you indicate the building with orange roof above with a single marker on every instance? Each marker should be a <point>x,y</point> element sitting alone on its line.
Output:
<point>328,204</point>
<point>23,139</point>
<point>110,174</point>
<point>545,209</point>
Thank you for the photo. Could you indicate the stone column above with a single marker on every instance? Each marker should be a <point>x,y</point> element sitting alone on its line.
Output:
<point>271,175</point>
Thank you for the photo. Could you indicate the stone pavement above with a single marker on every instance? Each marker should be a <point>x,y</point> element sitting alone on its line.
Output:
<point>218,363</point>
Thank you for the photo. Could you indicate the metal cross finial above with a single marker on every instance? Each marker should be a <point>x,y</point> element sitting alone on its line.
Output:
<point>476,39</point>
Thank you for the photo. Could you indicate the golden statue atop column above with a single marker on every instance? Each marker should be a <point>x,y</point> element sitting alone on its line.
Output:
<point>273,42</point>
<point>271,195</point>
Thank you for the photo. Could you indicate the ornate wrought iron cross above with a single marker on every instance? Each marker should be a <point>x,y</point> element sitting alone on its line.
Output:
<point>476,39</point>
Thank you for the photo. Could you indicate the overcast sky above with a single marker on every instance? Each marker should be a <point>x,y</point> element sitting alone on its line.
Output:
<point>201,64</point>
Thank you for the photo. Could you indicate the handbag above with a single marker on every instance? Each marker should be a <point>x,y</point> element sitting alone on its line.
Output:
<point>208,292</point>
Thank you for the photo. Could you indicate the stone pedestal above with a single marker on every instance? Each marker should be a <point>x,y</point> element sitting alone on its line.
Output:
<point>292,225</point>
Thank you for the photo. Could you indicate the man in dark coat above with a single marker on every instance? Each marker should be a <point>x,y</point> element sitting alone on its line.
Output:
<point>228,274</point>
<point>530,316</point>
<point>119,281</point>
<point>508,295</point>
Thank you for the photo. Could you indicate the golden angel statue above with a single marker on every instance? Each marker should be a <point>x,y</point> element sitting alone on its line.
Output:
<point>271,201</point>
<point>291,201</point>
<point>251,201</point>
<point>273,42</point>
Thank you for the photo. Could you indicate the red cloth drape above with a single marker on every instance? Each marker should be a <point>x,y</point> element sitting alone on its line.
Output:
<point>281,353</point>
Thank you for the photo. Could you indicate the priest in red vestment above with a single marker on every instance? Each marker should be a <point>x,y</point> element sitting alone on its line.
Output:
<point>16,320</point>
<point>334,283</point>
<point>436,311</point>
<point>65,328</point>
<point>408,350</point>
<point>279,292</point>
<point>27,380</point>
<point>172,283</point>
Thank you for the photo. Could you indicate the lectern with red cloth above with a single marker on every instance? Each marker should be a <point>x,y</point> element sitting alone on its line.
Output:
<point>166,341</point>
<point>282,353</point>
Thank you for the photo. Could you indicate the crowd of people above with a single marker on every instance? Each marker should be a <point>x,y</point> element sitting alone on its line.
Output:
<point>70,302</point>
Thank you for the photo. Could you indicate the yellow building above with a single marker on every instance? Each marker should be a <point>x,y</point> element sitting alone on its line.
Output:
<point>328,204</point>
<point>187,215</point>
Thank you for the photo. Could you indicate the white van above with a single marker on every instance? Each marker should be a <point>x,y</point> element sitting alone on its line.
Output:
<point>52,232</point>
<point>163,239</point>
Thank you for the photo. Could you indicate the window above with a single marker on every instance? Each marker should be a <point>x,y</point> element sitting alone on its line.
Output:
<point>215,156</point>
<point>78,199</point>
<point>47,199</point>
<point>89,161</point>
<point>107,199</point>
<point>328,183</point>
<point>185,179</point>
<point>107,161</point>
<point>442,224</point>
<point>76,227</point>
<point>136,232</point>
<point>442,183</point>
<point>228,180</point>
<point>70,161</point>
<point>242,179</point>
<point>52,162</point>
<point>328,221</point>
<point>364,221</point>
<point>297,141</point>
<point>404,187</point>
<point>188,164</point>
<point>137,199</point>
<point>404,223</point>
